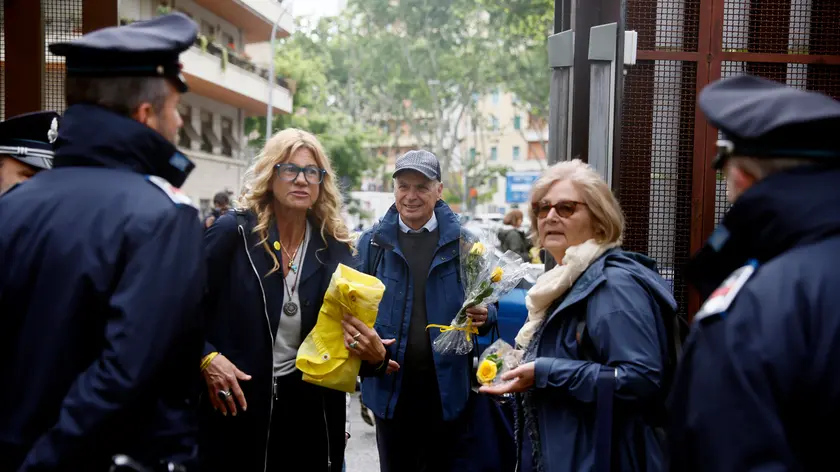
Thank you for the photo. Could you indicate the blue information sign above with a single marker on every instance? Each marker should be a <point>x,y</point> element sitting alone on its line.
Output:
<point>519,185</point>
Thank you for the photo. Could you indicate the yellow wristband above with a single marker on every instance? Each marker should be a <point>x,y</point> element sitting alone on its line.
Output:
<point>207,359</point>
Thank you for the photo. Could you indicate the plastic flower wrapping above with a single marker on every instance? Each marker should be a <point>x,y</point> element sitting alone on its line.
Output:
<point>497,359</point>
<point>487,276</point>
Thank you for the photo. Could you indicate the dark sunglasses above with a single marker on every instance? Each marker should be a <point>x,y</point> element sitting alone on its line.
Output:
<point>563,208</point>
<point>290,173</point>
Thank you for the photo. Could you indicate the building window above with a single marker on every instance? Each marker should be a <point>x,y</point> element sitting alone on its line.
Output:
<point>209,140</point>
<point>496,96</point>
<point>494,123</point>
<point>494,154</point>
<point>472,154</point>
<point>229,141</point>
<point>517,122</point>
<point>207,29</point>
<point>187,135</point>
<point>184,138</point>
<point>516,153</point>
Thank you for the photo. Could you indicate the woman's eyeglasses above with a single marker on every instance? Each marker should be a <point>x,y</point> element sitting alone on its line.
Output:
<point>289,173</point>
<point>563,208</point>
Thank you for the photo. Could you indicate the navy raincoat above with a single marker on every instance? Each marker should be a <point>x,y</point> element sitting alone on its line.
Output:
<point>758,386</point>
<point>244,309</point>
<point>101,276</point>
<point>444,297</point>
<point>621,299</point>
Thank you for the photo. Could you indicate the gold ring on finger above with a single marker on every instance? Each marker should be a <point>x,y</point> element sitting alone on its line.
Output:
<point>356,336</point>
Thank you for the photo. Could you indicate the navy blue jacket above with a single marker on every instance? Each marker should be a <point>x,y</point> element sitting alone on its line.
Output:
<point>101,278</point>
<point>758,387</point>
<point>622,299</point>
<point>244,308</point>
<point>444,297</point>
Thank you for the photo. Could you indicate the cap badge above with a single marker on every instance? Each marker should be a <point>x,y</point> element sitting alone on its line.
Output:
<point>52,134</point>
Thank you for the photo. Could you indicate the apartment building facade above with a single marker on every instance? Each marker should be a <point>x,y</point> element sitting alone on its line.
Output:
<point>502,133</point>
<point>226,85</point>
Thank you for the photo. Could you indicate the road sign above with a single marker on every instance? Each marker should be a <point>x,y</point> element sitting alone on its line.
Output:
<point>519,185</point>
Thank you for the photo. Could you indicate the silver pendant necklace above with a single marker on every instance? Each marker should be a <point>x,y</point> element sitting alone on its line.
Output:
<point>290,308</point>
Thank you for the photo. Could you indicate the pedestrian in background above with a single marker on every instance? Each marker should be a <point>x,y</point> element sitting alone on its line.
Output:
<point>270,264</point>
<point>758,386</point>
<point>512,238</point>
<point>102,269</point>
<point>414,250</point>
<point>221,205</point>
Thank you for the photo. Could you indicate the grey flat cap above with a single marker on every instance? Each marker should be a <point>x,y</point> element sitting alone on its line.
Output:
<point>421,161</point>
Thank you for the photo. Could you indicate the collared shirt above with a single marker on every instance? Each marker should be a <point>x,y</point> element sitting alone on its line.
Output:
<point>430,225</point>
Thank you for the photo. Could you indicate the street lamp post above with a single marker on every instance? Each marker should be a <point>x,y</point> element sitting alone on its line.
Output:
<point>269,114</point>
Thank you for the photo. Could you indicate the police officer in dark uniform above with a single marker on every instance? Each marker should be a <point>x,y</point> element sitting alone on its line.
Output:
<point>759,384</point>
<point>26,146</point>
<point>102,268</point>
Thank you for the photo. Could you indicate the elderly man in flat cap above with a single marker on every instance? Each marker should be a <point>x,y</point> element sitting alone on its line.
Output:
<point>26,146</point>
<point>103,272</point>
<point>414,250</point>
<point>758,389</point>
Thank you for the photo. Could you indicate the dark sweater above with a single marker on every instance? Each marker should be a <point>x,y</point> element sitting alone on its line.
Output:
<point>419,251</point>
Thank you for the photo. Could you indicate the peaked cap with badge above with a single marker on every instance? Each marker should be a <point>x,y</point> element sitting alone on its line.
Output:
<point>761,118</point>
<point>142,49</point>
<point>29,138</point>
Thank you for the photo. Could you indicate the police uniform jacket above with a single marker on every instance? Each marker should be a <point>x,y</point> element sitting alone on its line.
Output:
<point>101,276</point>
<point>758,388</point>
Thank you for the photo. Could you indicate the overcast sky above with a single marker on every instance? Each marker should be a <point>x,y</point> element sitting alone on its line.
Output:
<point>315,9</point>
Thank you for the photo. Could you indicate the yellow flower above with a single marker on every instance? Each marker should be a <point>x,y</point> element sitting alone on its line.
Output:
<point>477,249</point>
<point>486,371</point>
<point>496,276</point>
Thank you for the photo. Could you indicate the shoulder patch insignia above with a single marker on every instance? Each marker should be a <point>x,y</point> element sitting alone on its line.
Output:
<point>720,300</point>
<point>176,195</point>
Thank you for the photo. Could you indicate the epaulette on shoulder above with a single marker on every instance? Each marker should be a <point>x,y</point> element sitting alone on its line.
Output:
<point>175,194</point>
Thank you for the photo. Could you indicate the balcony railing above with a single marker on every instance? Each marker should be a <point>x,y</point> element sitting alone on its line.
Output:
<point>229,55</point>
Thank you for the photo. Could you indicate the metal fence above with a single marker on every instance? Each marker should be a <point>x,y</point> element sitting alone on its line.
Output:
<point>670,194</point>
<point>62,22</point>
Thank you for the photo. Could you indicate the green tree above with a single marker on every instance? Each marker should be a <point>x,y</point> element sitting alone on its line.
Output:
<point>345,140</point>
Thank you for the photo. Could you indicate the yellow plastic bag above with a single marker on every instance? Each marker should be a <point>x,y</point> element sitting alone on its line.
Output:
<point>322,357</point>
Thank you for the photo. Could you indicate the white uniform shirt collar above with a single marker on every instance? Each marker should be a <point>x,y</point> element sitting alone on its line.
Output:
<point>430,225</point>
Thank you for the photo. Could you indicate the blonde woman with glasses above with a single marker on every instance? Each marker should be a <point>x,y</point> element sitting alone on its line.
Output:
<point>270,263</point>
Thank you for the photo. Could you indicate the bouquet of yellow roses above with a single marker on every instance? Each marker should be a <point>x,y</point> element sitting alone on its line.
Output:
<point>487,277</point>
<point>497,359</point>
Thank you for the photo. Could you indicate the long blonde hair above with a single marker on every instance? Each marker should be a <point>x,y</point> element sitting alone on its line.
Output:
<point>257,194</point>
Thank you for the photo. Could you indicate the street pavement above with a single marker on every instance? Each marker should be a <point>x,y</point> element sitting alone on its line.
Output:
<point>361,454</point>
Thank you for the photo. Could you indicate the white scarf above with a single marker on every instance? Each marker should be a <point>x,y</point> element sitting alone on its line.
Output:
<point>554,283</point>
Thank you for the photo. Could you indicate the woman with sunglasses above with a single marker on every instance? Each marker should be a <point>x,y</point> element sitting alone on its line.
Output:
<point>595,321</point>
<point>270,263</point>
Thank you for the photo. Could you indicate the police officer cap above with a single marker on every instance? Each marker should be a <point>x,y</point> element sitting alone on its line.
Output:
<point>141,49</point>
<point>765,119</point>
<point>29,138</point>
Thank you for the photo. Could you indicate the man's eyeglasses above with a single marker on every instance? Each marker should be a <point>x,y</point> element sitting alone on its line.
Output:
<point>289,173</point>
<point>563,208</point>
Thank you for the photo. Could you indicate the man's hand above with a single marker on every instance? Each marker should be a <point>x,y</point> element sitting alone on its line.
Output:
<point>523,379</point>
<point>222,376</point>
<point>478,314</point>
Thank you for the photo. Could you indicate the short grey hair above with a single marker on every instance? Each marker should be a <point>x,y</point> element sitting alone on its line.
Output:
<point>122,95</point>
<point>607,218</point>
